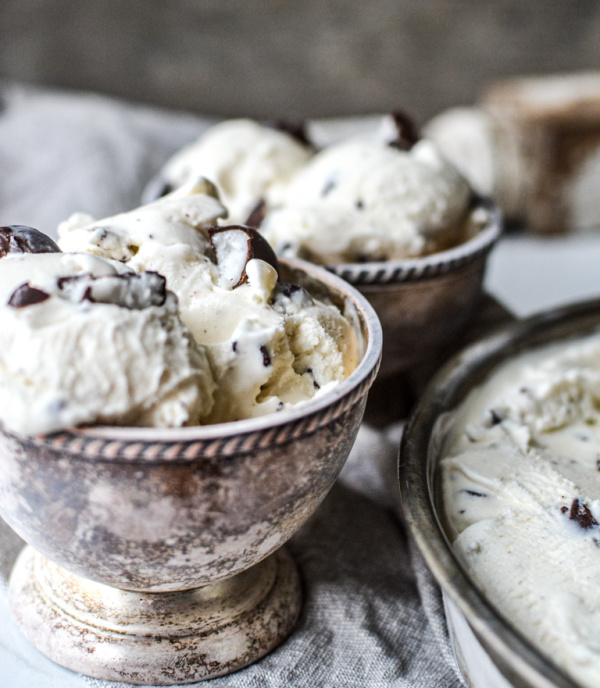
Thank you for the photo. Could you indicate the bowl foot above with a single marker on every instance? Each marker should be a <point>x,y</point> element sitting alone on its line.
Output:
<point>154,638</point>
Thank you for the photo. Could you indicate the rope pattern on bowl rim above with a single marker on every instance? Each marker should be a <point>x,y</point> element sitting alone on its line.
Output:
<point>87,446</point>
<point>413,269</point>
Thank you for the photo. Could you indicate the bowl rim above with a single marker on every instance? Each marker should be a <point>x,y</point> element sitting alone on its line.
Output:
<point>389,272</point>
<point>305,418</point>
<point>510,650</point>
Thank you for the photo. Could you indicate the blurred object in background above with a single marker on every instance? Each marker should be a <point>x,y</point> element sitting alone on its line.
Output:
<point>534,144</point>
<point>273,59</point>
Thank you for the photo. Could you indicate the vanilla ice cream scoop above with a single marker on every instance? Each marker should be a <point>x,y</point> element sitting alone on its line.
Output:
<point>270,345</point>
<point>86,340</point>
<point>372,197</point>
<point>246,161</point>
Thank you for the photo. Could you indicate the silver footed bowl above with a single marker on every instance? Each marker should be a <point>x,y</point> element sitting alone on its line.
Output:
<point>172,510</point>
<point>491,652</point>
<point>423,303</point>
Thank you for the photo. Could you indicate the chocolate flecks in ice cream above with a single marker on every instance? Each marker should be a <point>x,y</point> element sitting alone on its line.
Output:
<point>24,239</point>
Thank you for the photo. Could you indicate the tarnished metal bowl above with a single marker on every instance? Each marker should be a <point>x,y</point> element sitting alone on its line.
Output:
<point>192,514</point>
<point>423,303</point>
<point>492,653</point>
<point>168,509</point>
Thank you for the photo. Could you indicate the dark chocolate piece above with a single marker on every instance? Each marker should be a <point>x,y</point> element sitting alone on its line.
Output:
<point>257,215</point>
<point>495,417</point>
<point>580,513</point>
<point>294,128</point>
<point>156,188</point>
<point>26,295</point>
<point>329,187</point>
<point>130,290</point>
<point>294,292</point>
<point>234,246</point>
<point>266,357</point>
<point>24,239</point>
<point>311,372</point>
<point>407,132</point>
<point>474,493</point>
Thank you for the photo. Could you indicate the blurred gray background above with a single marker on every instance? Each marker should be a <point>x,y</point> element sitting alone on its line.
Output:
<point>272,58</point>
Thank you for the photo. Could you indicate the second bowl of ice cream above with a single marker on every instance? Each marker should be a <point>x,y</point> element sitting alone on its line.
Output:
<point>388,214</point>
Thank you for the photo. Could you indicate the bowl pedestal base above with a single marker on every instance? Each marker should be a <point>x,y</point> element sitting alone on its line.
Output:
<point>154,638</point>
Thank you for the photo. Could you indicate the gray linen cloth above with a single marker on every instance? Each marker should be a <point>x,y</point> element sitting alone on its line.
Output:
<point>372,614</point>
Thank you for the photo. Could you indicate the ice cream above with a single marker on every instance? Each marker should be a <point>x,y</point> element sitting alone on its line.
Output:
<point>521,496</point>
<point>246,160</point>
<point>269,343</point>
<point>86,340</point>
<point>373,197</point>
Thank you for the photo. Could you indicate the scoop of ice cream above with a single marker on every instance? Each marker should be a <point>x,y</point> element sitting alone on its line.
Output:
<point>85,340</point>
<point>245,160</point>
<point>268,349</point>
<point>372,197</point>
<point>521,493</point>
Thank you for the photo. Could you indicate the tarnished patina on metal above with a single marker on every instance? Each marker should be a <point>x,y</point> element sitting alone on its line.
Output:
<point>168,638</point>
<point>158,514</point>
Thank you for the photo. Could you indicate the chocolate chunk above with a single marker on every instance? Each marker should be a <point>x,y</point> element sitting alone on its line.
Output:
<point>580,513</point>
<point>266,357</point>
<point>295,129</point>
<point>294,292</point>
<point>310,371</point>
<point>474,493</point>
<point>26,295</point>
<point>234,246</point>
<point>130,290</point>
<point>407,133</point>
<point>23,239</point>
<point>157,188</point>
<point>495,417</point>
<point>257,215</point>
<point>329,187</point>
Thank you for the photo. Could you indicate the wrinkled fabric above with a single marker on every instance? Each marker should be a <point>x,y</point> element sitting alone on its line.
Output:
<point>372,614</point>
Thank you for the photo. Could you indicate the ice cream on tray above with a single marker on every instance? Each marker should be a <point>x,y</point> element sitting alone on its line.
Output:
<point>270,345</point>
<point>521,496</point>
<point>245,159</point>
